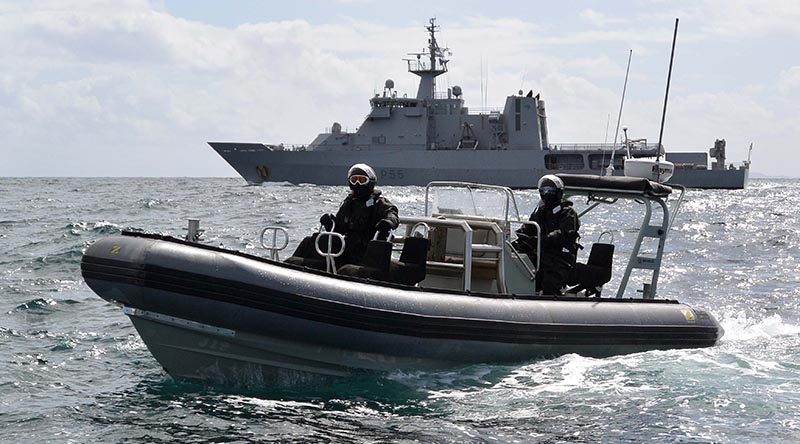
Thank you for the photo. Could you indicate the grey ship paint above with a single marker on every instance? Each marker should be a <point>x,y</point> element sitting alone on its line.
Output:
<point>433,136</point>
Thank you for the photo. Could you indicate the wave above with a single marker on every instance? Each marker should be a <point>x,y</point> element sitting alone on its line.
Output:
<point>70,256</point>
<point>740,327</point>
<point>101,227</point>
<point>10,332</point>
<point>155,204</point>
<point>36,306</point>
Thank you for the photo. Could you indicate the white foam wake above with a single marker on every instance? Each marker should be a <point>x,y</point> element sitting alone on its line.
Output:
<point>740,327</point>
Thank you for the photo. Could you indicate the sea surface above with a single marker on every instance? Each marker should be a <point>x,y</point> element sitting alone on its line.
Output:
<point>73,369</point>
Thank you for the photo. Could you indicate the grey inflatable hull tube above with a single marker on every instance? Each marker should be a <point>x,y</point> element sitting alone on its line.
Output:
<point>208,313</point>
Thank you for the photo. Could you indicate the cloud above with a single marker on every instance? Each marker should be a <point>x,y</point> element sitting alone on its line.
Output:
<point>599,19</point>
<point>789,79</point>
<point>746,19</point>
<point>126,88</point>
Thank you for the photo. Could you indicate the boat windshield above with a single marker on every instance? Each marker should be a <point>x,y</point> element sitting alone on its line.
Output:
<point>467,200</point>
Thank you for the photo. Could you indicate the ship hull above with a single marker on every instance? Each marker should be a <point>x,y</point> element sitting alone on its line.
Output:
<point>257,163</point>
<point>711,179</point>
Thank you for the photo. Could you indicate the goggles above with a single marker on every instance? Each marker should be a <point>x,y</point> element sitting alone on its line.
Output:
<point>359,179</point>
<point>548,190</point>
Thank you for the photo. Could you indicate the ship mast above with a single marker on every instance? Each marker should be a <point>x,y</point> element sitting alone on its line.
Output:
<point>428,69</point>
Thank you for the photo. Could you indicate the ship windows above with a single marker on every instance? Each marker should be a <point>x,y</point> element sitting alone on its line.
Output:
<point>601,161</point>
<point>563,161</point>
<point>517,109</point>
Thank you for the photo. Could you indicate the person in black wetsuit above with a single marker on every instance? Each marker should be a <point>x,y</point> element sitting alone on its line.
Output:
<point>559,224</point>
<point>363,213</point>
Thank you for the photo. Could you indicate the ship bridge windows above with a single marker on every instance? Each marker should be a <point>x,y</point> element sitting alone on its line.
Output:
<point>389,102</point>
<point>563,161</point>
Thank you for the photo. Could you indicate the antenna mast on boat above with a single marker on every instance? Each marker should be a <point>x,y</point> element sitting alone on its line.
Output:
<point>610,168</point>
<point>666,95</point>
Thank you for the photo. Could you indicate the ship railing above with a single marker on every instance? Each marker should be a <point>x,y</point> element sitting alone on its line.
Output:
<point>599,147</point>
<point>342,130</point>
<point>474,111</point>
<point>743,165</point>
<point>288,147</point>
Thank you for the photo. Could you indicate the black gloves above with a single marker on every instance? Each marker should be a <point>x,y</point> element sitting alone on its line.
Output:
<point>524,243</point>
<point>327,221</point>
<point>554,239</point>
<point>383,227</point>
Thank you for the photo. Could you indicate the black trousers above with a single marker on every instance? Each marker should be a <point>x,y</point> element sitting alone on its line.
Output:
<point>552,275</point>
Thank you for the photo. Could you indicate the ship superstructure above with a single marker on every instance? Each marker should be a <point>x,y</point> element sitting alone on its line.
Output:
<point>434,136</point>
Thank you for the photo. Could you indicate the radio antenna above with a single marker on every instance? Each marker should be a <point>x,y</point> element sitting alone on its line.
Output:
<point>666,95</point>
<point>610,168</point>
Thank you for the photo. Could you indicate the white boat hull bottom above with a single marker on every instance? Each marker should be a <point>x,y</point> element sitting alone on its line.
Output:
<point>650,168</point>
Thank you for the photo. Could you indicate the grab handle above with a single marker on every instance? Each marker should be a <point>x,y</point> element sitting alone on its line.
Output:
<point>274,248</point>
<point>600,238</point>
<point>423,228</point>
<point>329,255</point>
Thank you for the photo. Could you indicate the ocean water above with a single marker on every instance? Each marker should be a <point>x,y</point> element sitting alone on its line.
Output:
<point>73,369</point>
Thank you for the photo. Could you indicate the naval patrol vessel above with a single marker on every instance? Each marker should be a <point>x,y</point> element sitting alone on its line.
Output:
<point>435,137</point>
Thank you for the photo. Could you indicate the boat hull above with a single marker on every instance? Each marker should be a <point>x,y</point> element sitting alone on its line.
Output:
<point>215,315</point>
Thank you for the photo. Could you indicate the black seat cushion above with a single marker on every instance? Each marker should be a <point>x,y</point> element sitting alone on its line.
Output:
<point>375,263</point>
<point>595,273</point>
<point>415,250</point>
<point>378,255</point>
<point>315,263</point>
<point>412,266</point>
<point>601,255</point>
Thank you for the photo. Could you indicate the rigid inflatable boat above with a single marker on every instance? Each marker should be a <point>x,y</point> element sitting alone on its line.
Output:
<point>451,291</point>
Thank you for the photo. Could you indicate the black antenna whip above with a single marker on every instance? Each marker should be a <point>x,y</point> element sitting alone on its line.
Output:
<point>666,94</point>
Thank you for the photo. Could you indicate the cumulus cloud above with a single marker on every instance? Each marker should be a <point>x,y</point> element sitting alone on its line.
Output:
<point>745,19</point>
<point>600,19</point>
<point>789,79</point>
<point>104,88</point>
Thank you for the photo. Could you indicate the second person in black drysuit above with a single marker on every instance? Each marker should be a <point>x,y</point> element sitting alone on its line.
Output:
<point>559,224</point>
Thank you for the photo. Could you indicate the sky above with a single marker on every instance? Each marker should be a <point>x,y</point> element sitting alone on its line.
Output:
<point>137,87</point>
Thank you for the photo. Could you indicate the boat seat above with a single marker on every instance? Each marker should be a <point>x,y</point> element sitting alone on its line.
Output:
<point>305,255</point>
<point>374,264</point>
<point>412,266</point>
<point>595,273</point>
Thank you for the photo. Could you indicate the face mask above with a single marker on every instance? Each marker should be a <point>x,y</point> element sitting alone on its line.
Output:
<point>361,192</point>
<point>551,199</point>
